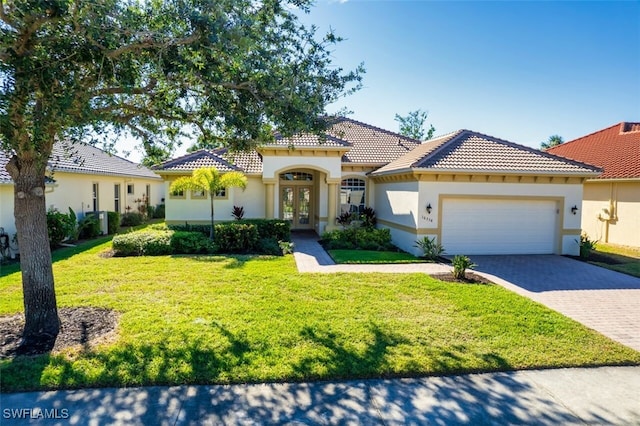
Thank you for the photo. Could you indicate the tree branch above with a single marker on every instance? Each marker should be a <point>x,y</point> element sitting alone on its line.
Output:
<point>148,43</point>
<point>146,90</point>
<point>4,18</point>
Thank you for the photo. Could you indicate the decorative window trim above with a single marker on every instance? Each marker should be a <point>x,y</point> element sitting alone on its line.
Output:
<point>348,183</point>
<point>198,195</point>
<point>180,195</point>
<point>223,194</point>
<point>296,177</point>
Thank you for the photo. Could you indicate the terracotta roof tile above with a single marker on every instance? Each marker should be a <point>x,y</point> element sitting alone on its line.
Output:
<point>198,159</point>
<point>371,145</point>
<point>84,158</point>
<point>615,149</point>
<point>471,151</point>
<point>307,140</point>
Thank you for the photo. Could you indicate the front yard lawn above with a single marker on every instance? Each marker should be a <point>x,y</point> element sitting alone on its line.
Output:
<point>235,319</point>
<point>618,258</point>
<point>368,256</point>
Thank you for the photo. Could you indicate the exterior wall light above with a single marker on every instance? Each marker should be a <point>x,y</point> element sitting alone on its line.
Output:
<point>429,208</point>
<point>574,209</point>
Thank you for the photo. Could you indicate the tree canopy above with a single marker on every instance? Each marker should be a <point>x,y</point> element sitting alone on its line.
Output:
<point>554,140</point>
<point>412,125</point>
<point>228,70</point>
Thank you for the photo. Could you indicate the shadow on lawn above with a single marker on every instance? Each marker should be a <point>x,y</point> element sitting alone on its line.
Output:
<point>500,398</point>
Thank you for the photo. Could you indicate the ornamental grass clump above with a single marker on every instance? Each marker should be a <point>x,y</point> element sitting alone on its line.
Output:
<point>460,265</point>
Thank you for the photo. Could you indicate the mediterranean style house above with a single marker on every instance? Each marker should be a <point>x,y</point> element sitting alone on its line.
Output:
<point>611,201</point>
<point>475,193</point>
<point>86,179</point>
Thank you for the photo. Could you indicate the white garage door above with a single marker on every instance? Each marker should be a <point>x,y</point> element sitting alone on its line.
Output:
<point>471,226</point>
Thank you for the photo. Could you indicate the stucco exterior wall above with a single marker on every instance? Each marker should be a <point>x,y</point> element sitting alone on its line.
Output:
<point>6,209</point>
<point>401,206</point>
<point>611,212</point>
<point>198,210</point>
<point>273,165</point>
<point>75,190</point>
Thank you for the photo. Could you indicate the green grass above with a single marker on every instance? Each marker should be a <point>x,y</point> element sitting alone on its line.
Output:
<point>625,259</point>
<point>367,256</point>
<point>236,319</point>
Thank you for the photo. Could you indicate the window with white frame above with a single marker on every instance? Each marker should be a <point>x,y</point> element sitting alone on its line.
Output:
<point>352,195</point>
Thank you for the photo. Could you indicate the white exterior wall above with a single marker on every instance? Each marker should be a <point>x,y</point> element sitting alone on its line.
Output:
<point>272,166</point>
<point>252,198</point>
<point>6,209</point>
<point>404,204</point>
<point>75,190</point>
<point>198,210</point>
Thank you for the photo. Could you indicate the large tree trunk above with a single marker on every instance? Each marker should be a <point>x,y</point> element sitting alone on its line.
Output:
<point>42,324</point>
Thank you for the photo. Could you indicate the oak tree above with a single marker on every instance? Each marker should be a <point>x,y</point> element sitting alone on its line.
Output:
<point>228,70</point>
<point>412,125</point>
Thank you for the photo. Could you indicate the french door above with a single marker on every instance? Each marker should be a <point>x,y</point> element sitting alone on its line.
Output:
<point>295,206</point>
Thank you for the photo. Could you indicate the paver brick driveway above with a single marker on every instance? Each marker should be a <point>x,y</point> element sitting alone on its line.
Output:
<point>604,300</point>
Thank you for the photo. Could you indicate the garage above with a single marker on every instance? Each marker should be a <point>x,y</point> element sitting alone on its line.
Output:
<point>499,226</point>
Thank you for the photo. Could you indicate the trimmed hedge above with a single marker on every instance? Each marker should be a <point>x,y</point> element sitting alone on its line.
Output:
<point>131,219</point>
<point>279,230</point>
<point>113,222</point>
<point>358,238</point>
<point>161,242</point>
<point>236,237</point>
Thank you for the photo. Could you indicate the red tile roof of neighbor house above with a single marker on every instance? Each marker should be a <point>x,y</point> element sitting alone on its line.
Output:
<point>615,149</point>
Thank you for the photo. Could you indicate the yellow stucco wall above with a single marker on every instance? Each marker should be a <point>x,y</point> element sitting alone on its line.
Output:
<point>611,212</point>
<point>75,190</point>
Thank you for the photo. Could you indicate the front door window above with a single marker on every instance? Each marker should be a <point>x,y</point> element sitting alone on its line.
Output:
<point>296,206</point>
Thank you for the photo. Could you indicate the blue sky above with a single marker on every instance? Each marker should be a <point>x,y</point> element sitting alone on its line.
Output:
<point>520,71</point>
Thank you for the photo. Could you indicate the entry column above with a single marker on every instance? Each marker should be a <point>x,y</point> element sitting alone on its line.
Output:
<point>332,203</point>
<point>269,211</point>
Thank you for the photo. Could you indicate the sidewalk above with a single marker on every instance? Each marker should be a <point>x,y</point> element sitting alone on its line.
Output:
<point>603,396</point>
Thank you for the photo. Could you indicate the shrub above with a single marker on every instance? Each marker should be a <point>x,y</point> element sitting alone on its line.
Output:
<point>114,222</point>
<point>286,247</point>
<point>132,219</point>
<point>430,249</point>
<point>203,229</point>
<point>151,211</point>
<point>60,226</point>
<point>460,264</point>
<point>183,242</point>
<point>237,212</point>
<point>234,237</point>
<point>358,238</point>
<point>159,211</point>
<point>277,229</point>
<point>586,245</point>
<point>344,219</point>
<point>89,226</point>
<point>368,218</point>
<point>140,243</point>
<point>269,246</point>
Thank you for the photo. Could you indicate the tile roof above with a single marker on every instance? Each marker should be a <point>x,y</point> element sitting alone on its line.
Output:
<point>370,144</point>
<point>615,149</point>
<point>308,140</point>
<point>87,159</point>
<point>465,150</point>
<point>198,159</point>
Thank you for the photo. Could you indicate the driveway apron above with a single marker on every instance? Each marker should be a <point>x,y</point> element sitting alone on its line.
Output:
<point>604,300</point>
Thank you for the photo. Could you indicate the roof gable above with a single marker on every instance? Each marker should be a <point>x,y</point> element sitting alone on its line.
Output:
<point>84,158</point>
<point>199,159</point>
<point>615,149</point>
<point>470,151</point>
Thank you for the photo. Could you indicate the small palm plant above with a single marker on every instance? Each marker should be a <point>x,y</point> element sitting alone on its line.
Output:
<point>460,264</point>
<point>210,181</point>
<point>430,248</point>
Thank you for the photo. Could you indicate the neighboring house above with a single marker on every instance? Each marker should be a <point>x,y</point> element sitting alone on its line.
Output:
<point>86,179</point>
<point>611,201</point>
<point>475,193</point>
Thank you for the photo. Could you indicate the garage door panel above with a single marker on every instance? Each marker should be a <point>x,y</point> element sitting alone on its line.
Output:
<point>480,226</point>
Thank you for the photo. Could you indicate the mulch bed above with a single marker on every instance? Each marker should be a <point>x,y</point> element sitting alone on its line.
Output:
<point>79,327</point>
<point>471,278</point>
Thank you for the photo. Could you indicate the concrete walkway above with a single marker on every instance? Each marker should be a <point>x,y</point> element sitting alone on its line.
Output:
<point>602,396</point>
<point>311,257</point>
<point>604,300</point>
